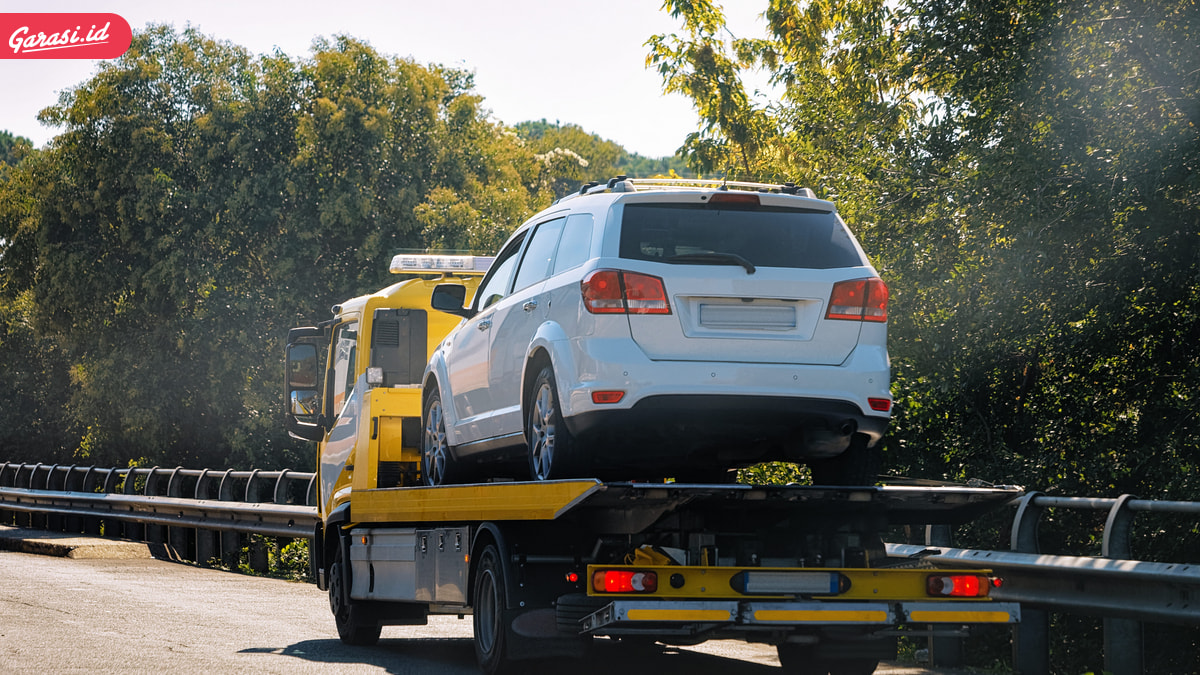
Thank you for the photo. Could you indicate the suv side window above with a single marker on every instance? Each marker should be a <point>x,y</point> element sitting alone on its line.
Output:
<point>495,284</point>
<point>575,246</point>
<point>535,265</point>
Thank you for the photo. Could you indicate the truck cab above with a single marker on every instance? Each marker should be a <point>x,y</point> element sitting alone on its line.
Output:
<point>354,382</point>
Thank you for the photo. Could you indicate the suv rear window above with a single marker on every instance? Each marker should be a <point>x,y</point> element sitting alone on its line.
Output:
<point>766,236</point>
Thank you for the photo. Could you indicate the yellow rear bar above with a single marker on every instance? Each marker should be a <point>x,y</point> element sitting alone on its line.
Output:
<point>711,583</point>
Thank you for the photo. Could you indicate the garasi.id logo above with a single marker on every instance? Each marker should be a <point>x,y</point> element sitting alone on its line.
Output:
<point>83,35</point>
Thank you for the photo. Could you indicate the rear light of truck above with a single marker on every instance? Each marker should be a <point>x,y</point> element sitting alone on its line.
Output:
<point>624,581</point>
<point>620,292</point>
<point>959,585</point>
<point>859,300</point>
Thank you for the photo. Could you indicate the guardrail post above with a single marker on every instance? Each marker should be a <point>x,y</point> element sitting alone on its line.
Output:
<point>31,519</point>
<point>88,483</point>
<point>207,541</point>
<point>6,480</point>
<point>71,482</point>
<point>177,537</point>
<point>155,534</point>
<point>110,527</point>
<point>256,554</point>
<point>1031,637</point>
<point>231,542</point>
<point>54,523</point>
<point>1123,647</point>
<point>132,530</point>
<point>943,650</point>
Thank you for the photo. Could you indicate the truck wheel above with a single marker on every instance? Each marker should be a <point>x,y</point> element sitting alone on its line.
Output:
<point>857,465</point>
<point>437,465</point>
<point>553,453</point>
<point>800,660</point>
<point>490,617</point>
<point>352,627</point>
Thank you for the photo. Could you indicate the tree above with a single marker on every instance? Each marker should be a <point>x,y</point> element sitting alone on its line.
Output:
<point>199,203</point>
<point>13,148</point>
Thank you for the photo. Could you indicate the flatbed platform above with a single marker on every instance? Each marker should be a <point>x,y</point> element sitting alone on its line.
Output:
<point>627,507</point>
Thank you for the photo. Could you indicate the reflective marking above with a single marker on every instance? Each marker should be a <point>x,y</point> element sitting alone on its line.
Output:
<point>869,616</point>
<point>678,615</point>
<point>966,617</point>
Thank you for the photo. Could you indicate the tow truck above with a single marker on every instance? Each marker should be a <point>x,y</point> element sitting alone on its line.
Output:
<point>545,568</point>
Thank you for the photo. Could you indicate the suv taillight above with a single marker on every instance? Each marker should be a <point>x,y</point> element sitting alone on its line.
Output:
<point>858,300</point>
<point>620,292</point>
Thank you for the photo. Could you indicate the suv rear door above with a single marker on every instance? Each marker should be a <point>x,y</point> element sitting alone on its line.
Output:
<point>747,282</point>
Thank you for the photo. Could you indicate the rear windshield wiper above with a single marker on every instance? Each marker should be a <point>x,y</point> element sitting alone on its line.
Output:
<point>713,259</point>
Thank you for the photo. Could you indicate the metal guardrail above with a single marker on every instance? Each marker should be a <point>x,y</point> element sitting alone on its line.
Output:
<point>200,514</point>
<point>1124,591</point>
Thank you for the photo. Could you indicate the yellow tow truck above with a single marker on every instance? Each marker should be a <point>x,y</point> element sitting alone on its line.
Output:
<point>546,567</point>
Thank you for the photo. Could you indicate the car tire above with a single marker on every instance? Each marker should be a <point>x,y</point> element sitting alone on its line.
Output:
<point>437,461</point>
<point>553,452</point>
<point>859,464</point>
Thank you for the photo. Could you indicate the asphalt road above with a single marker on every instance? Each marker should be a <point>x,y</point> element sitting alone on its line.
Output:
<point>63,615</point>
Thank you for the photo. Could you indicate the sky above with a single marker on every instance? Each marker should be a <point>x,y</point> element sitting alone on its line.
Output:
<point>565,61</point>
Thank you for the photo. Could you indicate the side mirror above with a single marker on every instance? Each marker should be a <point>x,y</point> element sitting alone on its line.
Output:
<point>302,367</point>
<point>450,298</point>
<point>302,376</point>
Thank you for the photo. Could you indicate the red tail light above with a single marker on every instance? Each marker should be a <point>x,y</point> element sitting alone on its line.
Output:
<point>858,300</point>
<point>618,292</point>
<point>624,581</point>
<point>957,586</point>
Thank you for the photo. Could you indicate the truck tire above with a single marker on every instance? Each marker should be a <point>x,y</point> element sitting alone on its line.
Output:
<point>490,617</point>
<point>857,465</point>
<point>353,627</point>
<point>553,452</point>
<point>437,461</point>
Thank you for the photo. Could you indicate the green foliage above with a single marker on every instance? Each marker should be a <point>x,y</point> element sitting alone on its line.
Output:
<point>13,148</point>
<point>570,156</point>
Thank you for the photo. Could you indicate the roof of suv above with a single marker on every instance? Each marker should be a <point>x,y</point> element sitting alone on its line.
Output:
<point>624,184</point>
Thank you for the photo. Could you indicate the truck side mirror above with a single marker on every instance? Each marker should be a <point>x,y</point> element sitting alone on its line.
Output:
<point>302,366</point>
<point>303,393</point>
<point>450,298</point>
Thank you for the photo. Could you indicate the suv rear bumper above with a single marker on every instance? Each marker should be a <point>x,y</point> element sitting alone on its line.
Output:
<point>726,429</point>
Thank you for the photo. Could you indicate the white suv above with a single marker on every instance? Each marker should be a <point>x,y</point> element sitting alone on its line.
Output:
<point>651,328</point>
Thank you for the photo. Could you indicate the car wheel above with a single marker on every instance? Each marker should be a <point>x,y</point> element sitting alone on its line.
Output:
<point>437,464</point>
<point>858,464</point>
<point>553,453</point>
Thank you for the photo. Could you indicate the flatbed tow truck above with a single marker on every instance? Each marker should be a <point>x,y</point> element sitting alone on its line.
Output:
<point>546,567</point>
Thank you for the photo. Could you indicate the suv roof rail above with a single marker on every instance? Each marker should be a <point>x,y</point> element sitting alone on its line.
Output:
<point>626,184</point>
<point>710,183</point>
